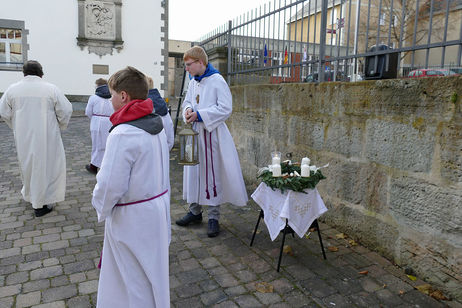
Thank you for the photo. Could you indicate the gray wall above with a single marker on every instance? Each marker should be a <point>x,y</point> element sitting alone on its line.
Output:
<point>394,148</point>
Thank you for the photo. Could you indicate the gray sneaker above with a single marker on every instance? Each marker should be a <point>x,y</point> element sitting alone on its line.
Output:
<point>189,219</point>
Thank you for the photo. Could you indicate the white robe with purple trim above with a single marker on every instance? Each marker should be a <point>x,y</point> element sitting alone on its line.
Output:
<point>217,178</point>
<point>134,265</point>
<point>98,110</point>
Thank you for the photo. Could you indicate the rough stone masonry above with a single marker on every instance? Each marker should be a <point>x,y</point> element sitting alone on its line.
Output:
<point>394,148</point>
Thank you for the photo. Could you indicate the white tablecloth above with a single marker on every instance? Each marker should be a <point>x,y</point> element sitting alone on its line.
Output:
<point>300,209</point>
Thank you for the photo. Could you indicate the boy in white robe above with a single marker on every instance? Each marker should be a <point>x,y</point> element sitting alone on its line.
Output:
<point>217,178</point>
<point>37,111</point>
<point>132,196</point>
<point>99,109</point>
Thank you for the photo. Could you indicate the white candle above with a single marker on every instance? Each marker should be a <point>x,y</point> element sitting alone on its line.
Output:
<point>305,171</point>
<point>276,160</point>
<point>189,153</point>
<point>305,161</point>
<point>276,170</point>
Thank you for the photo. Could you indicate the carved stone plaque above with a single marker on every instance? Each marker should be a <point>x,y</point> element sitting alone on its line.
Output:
<point>100,20</point>
<point>100,26</point>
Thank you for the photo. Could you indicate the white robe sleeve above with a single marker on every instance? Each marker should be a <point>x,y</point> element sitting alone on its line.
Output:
<point>6,111</point>
<point>113,178</point>
<point>187,103</point>
<point>89,108</point>
<point>168,127</point>
<point>63,109</point>
<point>218,113</point>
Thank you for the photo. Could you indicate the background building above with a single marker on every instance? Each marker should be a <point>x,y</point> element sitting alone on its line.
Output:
<point>79,41</point>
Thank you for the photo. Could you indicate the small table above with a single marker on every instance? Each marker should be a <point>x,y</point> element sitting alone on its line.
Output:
<point>288,212</point>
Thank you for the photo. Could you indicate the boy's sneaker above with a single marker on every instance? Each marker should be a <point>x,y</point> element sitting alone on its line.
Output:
<point>43,211</point>
<point>214,228</point>
<point>188,219</point>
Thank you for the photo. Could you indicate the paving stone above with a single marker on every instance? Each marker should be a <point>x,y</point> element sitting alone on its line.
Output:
<point>213,297</point>
<point>246,276</point>
<point>80,266</point>
<point>364,299</point>
<point>78,277</point>
<point>209,262</point>
<point>50,262</point>
<point>36,285</point>
<point>10,290</point>
<point>193,302</point>
<point>318,287</point>
<point>6,302</point>
<point>59,281</point>
<point>188,290</point>
<point>28,299</point>
<point>207,285</point>
<point>57,304</point>
<point>7,269</point>
<point>46,272</point>
<point>268,298</point>
<point>235,291</point>
<point>88,287</point>
<point>18,277</point>
<point>226,280</point>
<point>22,242</point>
<point>388,298</point>
<point>30,249</point>
<point>79,302</point>
<point>225,304</point>
<point>247,301</point>
<point>55,245</point>
<point>416,298</point>
<point>4,253</point>
<point>59,293</point>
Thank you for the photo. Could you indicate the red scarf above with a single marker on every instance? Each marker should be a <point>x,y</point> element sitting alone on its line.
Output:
<point>133,110</point>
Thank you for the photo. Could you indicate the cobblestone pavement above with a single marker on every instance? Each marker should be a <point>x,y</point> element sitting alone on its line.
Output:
<point>51,261</point>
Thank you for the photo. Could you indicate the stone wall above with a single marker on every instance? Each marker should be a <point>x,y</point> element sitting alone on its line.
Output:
<point>394,148</point>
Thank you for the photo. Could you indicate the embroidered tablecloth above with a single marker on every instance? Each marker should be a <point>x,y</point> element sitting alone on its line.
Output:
<point>298,208</point>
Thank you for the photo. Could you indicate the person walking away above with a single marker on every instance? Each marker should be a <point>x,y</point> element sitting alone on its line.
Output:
<point>37,111</point>
<point>99,109</point>
<point>217,178</point>
<point>131,195</point>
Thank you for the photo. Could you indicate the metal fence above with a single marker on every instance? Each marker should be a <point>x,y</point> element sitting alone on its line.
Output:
<point>346,40</point>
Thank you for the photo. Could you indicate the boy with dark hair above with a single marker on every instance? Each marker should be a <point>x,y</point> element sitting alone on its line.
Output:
<point>37,111</point>
<point>132,196</point>
<point>99,109</point>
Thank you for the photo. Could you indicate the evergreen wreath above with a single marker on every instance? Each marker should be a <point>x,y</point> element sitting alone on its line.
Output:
<point>295,183</point>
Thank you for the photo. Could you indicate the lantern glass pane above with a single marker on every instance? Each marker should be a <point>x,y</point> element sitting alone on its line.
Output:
<point>182,145</point>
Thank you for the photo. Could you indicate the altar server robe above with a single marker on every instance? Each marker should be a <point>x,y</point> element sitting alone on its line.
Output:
<point>134,266</point>
<point>219,168</point>
<point>36,111</point>
<point>98,110</point>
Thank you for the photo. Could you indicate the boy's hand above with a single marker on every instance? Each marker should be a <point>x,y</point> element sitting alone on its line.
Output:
<point>190,116</point>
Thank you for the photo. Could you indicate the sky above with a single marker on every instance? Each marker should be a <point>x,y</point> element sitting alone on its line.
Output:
<point>190,20</point>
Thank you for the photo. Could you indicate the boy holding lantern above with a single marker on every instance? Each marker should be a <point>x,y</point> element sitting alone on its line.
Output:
<point>217,178</point>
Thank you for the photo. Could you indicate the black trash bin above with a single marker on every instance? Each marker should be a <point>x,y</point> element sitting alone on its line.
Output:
<point>382,71</point>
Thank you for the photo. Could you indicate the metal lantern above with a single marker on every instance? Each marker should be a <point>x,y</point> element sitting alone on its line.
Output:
<point>189,154</point>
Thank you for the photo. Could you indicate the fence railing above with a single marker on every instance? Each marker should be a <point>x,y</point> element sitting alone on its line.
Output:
<point>346,40</point>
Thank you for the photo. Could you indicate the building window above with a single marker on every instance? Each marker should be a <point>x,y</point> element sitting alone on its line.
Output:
<point>13,44</point>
